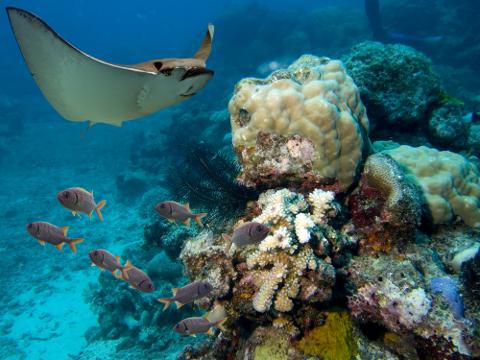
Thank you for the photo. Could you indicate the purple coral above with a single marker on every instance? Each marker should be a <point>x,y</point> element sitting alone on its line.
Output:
<point>449,291</point>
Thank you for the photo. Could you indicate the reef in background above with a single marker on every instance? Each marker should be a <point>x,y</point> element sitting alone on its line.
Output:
<point>371,250</point>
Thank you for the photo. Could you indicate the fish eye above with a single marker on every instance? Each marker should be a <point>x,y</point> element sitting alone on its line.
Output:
<point>66,194</point>
<point>29,226</point>
<point>162,206</point>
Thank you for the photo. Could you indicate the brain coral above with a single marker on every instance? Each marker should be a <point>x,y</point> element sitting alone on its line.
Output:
<point>305,125</point>
<point>450,183</point>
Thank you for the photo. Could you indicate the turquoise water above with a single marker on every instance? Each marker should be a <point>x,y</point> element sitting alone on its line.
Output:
<point>54,304</point>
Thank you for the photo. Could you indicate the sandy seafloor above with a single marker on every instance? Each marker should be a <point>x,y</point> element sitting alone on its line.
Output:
<point>44,313</point>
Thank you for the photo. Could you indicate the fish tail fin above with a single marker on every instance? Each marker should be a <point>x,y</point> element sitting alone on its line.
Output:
<point>198,218</point>
<point>228,240</point>
<point>99,207</point>
<point>205,49</point>
<point>73,242</point>
<point>166,302</point>
<point>219,324</point>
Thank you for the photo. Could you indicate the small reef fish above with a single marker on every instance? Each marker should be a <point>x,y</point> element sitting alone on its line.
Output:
<point>57,236</point>
<point>105,260</point>
<point>80,200</point>
<point>174,212</point>
<point>246,234</point>
<point>136,278</point>
<point>187,294</point>
<point>198,325</point>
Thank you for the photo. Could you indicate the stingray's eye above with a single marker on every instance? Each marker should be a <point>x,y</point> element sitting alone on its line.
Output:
<point>158,65</point>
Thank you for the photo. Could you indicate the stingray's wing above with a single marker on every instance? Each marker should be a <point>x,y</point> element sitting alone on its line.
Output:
<point>81,87</point>
<point>204,51</point>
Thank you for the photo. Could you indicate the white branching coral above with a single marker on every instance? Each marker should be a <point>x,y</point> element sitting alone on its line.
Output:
<point>287,277</point>
<point>291,218</point>
<point>303,226</point>
<point>284,267</point>
<point>263,298</point>
<point>280,239</point>
<point>321,202</point>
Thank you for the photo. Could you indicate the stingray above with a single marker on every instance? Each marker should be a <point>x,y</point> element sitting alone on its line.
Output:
<point>83,88</point>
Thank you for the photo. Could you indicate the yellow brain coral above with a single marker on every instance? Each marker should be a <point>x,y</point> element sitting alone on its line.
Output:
<point>451,183</point>
<point>303,124</point>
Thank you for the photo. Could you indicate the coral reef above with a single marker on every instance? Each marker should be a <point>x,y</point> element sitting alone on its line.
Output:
<point>449,290</point>
<point>471,280</point>
<point>395,293</point>
<point>305,125</point>
<point>450,183</point>
<point>448,127</point>
<point>385,207</point>
<point>396,82</point>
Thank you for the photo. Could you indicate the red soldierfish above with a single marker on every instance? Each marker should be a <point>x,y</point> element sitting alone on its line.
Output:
<point>79,200</point>
<point>246,234</point>
<point>136,278</point>
<point>174,212</point>
<point>188,293</point>
<point>197,325</point>
<point>105,260</point>
<point>57,236</point>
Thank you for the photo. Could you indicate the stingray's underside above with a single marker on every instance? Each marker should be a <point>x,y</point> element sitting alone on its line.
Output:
<point>81,87</point>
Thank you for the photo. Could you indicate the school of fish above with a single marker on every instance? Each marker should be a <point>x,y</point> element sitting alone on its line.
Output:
<point>78,200</point>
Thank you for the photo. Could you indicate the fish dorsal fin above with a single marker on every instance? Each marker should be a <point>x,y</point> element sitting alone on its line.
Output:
<point>187,206</point>
<point>65,230</point>
<point>91,193</point>
<point>117,258</point>
<point>174,291</point>
<point>204,51</point>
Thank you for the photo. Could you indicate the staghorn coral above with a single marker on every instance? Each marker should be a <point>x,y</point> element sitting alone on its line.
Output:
<point>285,266</point>
<point>450,183</point>
<point>305,125</point>
<point>301,275</point>
<point>386,206</point>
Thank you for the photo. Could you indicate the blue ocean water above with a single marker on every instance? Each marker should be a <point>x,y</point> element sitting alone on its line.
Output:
<point>54,304</point>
